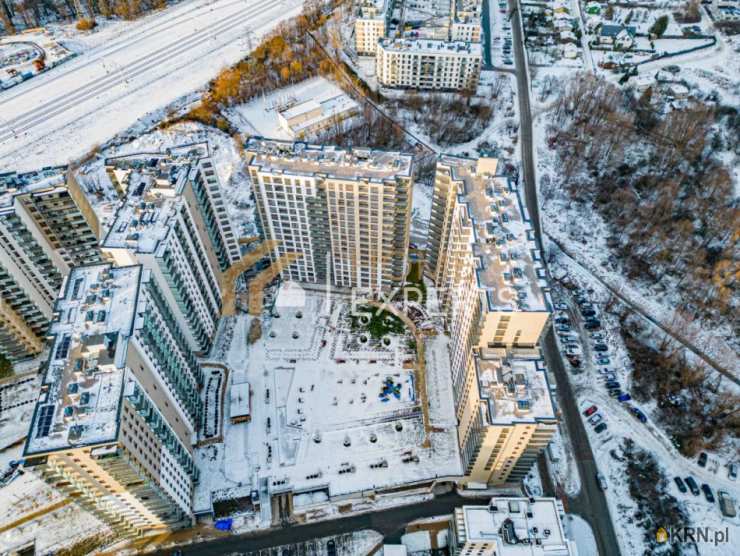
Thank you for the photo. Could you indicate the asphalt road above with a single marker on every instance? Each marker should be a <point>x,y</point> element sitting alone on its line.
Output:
<point>389,522</point>
<point>590,504</point>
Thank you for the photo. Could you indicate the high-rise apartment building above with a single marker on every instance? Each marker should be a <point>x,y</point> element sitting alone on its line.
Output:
<point>46,227</point>
<point>510,527</point>
<point>345,212</point>
<point>115,423</point>
<point>428,64</point>
<point>484,261</point>
<point>173,221</point>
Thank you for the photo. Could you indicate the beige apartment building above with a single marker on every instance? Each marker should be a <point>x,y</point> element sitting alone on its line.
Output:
<point>483,259</point>
<point>345,212</point>
<point>115,422</point>
<point>46,227</point>
<point>428,64</point>
<point>371,24</point>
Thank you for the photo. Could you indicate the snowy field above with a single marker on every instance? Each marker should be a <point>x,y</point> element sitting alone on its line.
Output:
<point>62,114</point>
<point>332,411</point>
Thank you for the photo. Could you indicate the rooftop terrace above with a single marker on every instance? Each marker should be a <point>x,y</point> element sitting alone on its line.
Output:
<point>302,159</point>
<point>516,525</point>
<point>510,265</point>
<point>81,392</point>
<point>153,188</point>
<point>430,46</point>
<point>13,183</point>
<point>514,389</point>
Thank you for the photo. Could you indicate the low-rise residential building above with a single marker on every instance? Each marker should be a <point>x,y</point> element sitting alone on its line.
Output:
<point>46,227</point>
<point>174,222</point>
<point>617,36</point>
<point>313,116</point>
<point>483,259</point>
<point>345,214</point>
<point>511,527</point>
<point>116,419</point>
<point>428,64</point>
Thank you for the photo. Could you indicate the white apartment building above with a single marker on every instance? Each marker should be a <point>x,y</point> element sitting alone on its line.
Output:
<point>511,527</point>
<point>116,419</point>
<point>346,213</point>
<point>483,259</point>
<point>428,64</point>
<point>173,221</point>
<point>371,24</point>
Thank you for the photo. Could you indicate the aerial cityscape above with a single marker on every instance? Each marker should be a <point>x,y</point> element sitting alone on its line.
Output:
<point>369,277</point>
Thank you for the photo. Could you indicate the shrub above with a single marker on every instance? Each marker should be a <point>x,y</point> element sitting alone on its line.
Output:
<point>659,27</point>
<point>86,24</point>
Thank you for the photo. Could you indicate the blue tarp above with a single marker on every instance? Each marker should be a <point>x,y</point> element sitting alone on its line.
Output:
<point>224,524</point>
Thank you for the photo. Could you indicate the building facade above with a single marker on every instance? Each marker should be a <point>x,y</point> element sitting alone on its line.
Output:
<point>46,227</point>
<point>428,64</point>
<point>371,24</point>
<point>116,419</point>
<point>173,221</point>
<point>483,260</point>
<point>346,213</point>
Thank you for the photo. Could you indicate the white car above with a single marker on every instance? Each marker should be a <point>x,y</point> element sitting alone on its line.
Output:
<point>602,481</point>
<point>595,419</point>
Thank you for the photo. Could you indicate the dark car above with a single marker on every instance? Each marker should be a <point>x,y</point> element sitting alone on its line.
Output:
<point>562,320</point>
<point>331,548</point>
<point>693,487</point>
<point>601,347</point>
<point>588,313</point>
<point>590,411</point>
<point>612,384</point>
<point>708,494</point>
<point>637,413</point>
<point>680,484</point>
<point>624,398</point>
<point>702,459</point>
<point>601,427</point>
<point>592,324</point>
<point>615,392</point>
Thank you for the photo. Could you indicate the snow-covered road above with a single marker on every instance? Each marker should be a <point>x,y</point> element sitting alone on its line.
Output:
<point>62,114</point>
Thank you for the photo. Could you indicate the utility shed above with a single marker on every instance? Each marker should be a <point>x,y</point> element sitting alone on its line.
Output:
<point>239,403</point>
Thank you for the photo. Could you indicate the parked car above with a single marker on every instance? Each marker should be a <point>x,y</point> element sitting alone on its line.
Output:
<point>624,398</point>
<point>601,480</point>
<point>601,427</point>
<point>615,392</point>
<point>590,411</point>
<point>602,361</point>
<point>702,459</point>
<point>637,413</point>
<point>598,336</point>
<point>726,504</point>
<point>562,320</point>
<point>575,361</point>
<point>612,384</point>
<point>573,350</point>
<point>592,324</point>
<point>588,313</point>
<point>610,377</point>
<point>331,548</point>
<point>595,419</point>
<point>693,487</point>
<point>601,347</point>
<point>562,327</point>
<point>708,494</point>
<point>680,484</point>
<point>732,471</point>
<point>605,371</point>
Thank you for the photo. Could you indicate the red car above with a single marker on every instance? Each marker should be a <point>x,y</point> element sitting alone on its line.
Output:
<point>590,411</point>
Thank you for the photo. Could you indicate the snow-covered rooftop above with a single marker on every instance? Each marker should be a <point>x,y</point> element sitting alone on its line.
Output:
<point>81,391</point>
<point>154,184</point>
<point>304,159</point>
<point>517,526</point>
<point>430,46</point>
<point>514,389</point>
<point>510,268</point>
<point>374,9</point>
<point>14,183</point>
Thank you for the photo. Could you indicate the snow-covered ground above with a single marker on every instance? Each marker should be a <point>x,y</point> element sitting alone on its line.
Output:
<point>141,68</point>
<point>321,423</point>
<point>26,55</point>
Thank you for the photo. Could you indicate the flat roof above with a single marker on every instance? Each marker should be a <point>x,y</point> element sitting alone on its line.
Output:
<point>303,159</point>
<point>13,183</point>
<point>514,389</point>
<point>81,391</point>
<point>374,9</point>
<point>432,46</point>
<point>239,400</point>
<point>510,268</point>
<point>517,526</point>
<point>154,184</point>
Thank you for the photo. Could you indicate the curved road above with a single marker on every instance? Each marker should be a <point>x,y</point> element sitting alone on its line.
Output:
<point>590,503</point>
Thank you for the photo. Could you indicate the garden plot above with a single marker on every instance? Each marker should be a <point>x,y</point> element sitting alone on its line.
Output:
<point>26,55</point>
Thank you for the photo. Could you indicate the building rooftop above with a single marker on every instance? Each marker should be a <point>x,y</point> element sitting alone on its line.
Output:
<point>153,186</point>
<point>81,392</point>
<point>302,159</point>
<point>514,389</point>
<point>374,9</point>
<point>430,46</point>
<point>510,266</point>
<point>13,183</point>
<point>517,526</point>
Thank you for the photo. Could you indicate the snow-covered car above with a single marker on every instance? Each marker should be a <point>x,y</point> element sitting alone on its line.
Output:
<point>601,480</point>
<point>562,327</point>
<point>602,361</point>
<point>732,471</point>
<point>598,336</point>
<point>726,504</point>
<point>595,419</point>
